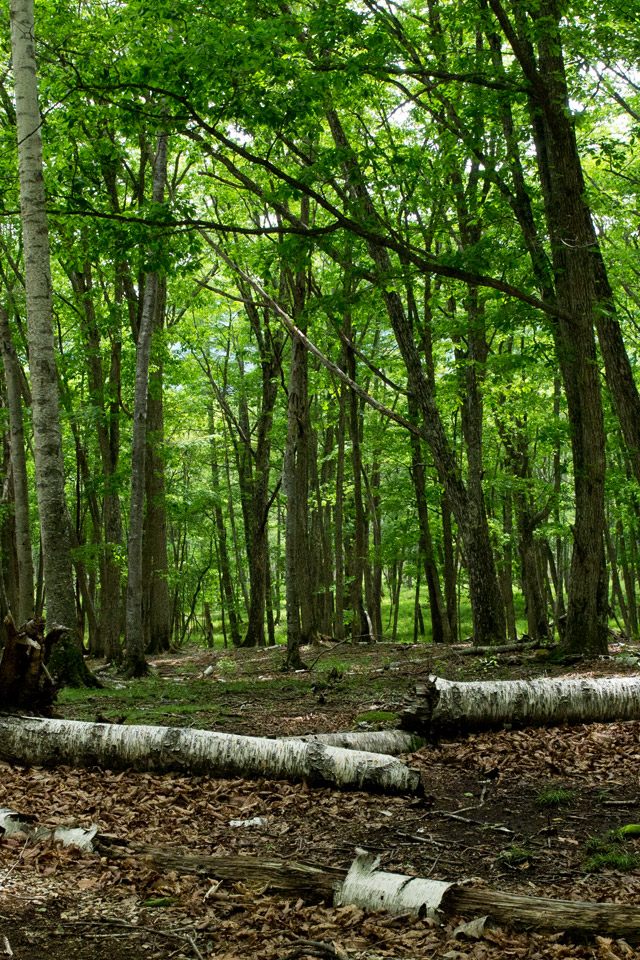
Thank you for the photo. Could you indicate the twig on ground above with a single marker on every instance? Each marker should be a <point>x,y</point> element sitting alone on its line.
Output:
<point>479,823</point>
<point>133,928</point>
<point>340,643</point>
<point>315,948</point>
<point>10,869</point>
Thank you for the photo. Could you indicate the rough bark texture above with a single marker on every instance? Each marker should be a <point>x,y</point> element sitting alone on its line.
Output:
<point>61,607</point>
<point>390,742</point>
<point>614,919</point>
<point>270,362</point>
<point>576,273</point>
<point>25,609</point>
<point>25,683</point>
<point>78,743</point>
<point>135,659</point>
<point>369,887</point>
<point>227,596</point>
<point>156,605</point>
<point>444,707</point>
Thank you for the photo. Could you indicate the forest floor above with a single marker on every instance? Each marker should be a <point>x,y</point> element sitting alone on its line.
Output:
<point>530,811</point>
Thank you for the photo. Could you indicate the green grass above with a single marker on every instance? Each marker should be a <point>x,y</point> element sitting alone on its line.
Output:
<point>555,796</point>
<point>611,853</point>
<point>378,717</point>
<point>154,699</point>
<point>515,856</point>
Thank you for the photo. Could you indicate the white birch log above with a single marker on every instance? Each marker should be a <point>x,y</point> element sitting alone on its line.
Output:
<point>443,706</point>
<point>373,889</point>
<point>390,742</point>
<point>78,743</point>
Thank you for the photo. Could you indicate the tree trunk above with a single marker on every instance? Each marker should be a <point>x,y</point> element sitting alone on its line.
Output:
<point>576,267</point>
<point>25,609</point>
<point>136,664</point>
<point>42,361</point>
<point>361,628</point>
<point>338,516</point>
<point>227,596</point>
<point>108,431</point>
<point>444,707</point>
<point>156,604</point>
<point>484,591</point>
<point>270,362</point>
<point>291,490</point>
<point>440,623</point>
<point>199,752</point>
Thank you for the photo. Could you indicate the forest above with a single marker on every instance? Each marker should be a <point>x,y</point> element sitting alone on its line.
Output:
<point>319,506</point>
<point>314,315</point>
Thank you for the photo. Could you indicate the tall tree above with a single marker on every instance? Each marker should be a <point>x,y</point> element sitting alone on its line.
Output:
<point>136,664</point>
<point>61,608</point>
<point>26,607</point>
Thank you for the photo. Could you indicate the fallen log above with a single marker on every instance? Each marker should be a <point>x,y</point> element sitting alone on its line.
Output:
<point>367,887</point>
<point>390,742</point>
<point>503,648</point>
<point>446,707</point>
<point>363,884</point>
<point>49,742</point>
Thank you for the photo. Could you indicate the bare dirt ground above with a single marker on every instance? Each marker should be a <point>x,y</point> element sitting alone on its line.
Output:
<point>514,809</point>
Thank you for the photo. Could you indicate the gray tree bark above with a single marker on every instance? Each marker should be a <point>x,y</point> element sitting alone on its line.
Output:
<point>26,607</point>
<point>136,664</point>
<point>156,610</point>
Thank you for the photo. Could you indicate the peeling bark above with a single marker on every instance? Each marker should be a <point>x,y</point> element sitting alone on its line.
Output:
<point>446,707</point>
<point>390,742</point>
<point>362,885</point>
<point>200,752</point>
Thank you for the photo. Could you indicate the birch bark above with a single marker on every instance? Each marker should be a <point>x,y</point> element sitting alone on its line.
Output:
<point>58,572</point>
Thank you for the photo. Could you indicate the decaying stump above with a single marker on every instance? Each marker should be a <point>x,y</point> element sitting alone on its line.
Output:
<point>25,682</point>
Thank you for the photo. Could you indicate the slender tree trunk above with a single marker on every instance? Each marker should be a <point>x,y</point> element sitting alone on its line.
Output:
<point>450,565</point>
<point>440,623</point>
<point>616,589</point>
<point>227,595</point>
<point>629,580</point>
<point>25,610</point>
<point>107,415</point>
<point>361,629</point>
<point>375,606</point>
<point>135,658</point>
<point>10,583</point>
<point>295,417</point>
<point>156,616</point>
<point>506,569</point>
<point>42,361</point>
<point>338,514</point>
<point>258,482</point>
